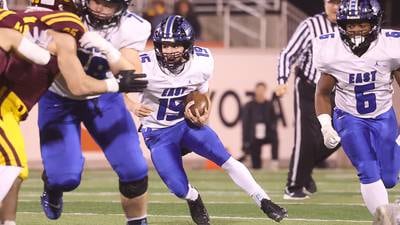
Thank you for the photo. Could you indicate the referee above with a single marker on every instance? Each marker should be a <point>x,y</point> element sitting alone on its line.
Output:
<point>309,148</point>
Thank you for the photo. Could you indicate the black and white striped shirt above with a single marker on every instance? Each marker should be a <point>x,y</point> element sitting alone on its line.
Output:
<point>299,49</point>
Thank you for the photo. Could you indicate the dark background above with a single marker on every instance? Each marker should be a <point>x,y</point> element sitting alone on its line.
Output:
<point>391,15</point>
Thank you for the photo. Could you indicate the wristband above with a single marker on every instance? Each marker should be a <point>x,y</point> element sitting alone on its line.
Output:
<point>112,85</point>
<point>324,119</point>
<point>33,52</point>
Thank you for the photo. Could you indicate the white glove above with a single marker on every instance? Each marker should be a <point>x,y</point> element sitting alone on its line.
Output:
<point>331,137</point>
<point>40,38</point>
<point>34,46</point>
<point>93,40</point>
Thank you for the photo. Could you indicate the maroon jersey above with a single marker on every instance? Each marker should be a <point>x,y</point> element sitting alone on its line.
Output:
<point>64,22</point>
<point>30,81</point>
<point>9,19</point>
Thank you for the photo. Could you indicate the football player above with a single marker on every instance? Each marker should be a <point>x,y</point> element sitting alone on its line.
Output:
<point>12,40</point>
<point>105,116</point>
<point>175,68</point>
<point>22,84</point>
<point>363,119</point>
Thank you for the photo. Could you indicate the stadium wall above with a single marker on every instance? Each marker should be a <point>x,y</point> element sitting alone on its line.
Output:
<point>236,73</point>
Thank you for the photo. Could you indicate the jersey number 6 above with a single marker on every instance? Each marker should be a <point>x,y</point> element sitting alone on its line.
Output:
<point>366,103</point>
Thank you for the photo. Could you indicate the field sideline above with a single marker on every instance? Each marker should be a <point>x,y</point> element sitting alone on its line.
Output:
<point>96,201</point>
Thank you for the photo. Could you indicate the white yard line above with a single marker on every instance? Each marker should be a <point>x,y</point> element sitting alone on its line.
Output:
<point>213,217</point>
<point>211,202</point>
<point>219,193</point>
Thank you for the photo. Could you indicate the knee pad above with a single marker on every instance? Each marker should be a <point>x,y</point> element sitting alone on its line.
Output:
<point>134,188</point>
<point>368,172</point>
<point>63,182</point>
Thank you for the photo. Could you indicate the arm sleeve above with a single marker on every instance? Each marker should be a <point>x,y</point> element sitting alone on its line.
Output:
<point>318,58</point>
<point>66,23</point>
<point>296,45</point>
<point>137,38</point>
<point>9,19</point>
<point>208,71</point>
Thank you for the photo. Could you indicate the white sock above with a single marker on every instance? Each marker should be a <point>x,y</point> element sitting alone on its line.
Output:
<point>243,178</point>
<point>8,175</point>
<point>9,222</point>
<point>136,218</point>
<point>374,195</point>
<point>192,194</point>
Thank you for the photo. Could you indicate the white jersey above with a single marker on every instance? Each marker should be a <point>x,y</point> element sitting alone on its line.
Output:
<point>364,84</point>
<point>132,32</point>
<point>165,93</point>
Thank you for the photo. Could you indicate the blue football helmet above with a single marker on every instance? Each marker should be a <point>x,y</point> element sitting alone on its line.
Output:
<point>99,22</point>
<point>177,31</point>
<point>357,11</point>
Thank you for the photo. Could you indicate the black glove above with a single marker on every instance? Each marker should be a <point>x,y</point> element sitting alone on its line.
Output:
<point>129,81</point>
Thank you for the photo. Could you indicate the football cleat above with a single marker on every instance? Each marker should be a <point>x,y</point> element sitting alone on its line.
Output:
<point>52,206</point>
<point>273,210</point>
<point>198,212</point>
<point>310,188</point>
<point>295,195</point>
<point>137,222</point>
<point>387,215</point>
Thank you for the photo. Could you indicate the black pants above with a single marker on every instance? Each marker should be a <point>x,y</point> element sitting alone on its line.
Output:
<point>309,148</point>
<point>255,151</point>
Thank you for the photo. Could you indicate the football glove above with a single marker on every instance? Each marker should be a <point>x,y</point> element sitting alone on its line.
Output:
<point>92,39</point>
<point>129,81</point>
<point>331,137</point>
<point>40,38</point>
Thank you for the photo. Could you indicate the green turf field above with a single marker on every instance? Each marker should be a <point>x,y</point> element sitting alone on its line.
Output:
<point>96,201</point>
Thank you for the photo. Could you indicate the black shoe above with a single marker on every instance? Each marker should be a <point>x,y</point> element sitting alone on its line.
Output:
<point>273,210</point>
<point>310,188</point>
<point>52,205</point>
<point>137,222</point>
<point>198,212</point>
<point>295,195</point>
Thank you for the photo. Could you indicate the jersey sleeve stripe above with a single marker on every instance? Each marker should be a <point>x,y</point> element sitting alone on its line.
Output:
<point>30,19</point>
<point>61,14</point>
<point>64,19</point>
<point>5,14</point>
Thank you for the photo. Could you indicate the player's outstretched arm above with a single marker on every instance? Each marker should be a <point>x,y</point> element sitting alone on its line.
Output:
<point>81,84</point>
<point>12,40</point>
<point>71,69</point>
<point>323,109</point>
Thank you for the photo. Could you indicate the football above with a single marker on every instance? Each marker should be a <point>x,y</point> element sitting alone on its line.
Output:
<point>200,102</point>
